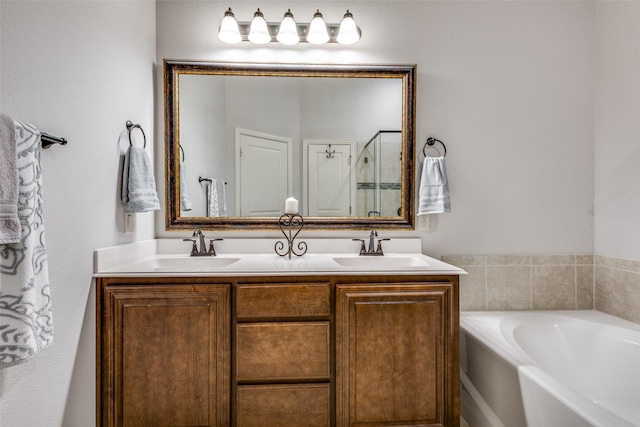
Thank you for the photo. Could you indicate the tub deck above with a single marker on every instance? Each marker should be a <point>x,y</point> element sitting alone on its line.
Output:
<point>543,368</point>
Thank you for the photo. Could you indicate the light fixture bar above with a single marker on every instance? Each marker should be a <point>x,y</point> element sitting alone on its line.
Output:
<point>303,30</point>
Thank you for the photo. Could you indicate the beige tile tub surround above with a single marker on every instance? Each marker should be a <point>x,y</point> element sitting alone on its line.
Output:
<point>525,282</point>
<point>617,287</point>
<point>549,282</point>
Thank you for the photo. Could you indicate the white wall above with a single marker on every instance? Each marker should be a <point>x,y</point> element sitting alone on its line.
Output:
<point>78,70</point>
<point>617,130</point>
<point>507,85</point>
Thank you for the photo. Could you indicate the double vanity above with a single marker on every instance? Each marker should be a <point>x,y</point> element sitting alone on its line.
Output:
<point>340,336</point>
<point>250,338</point>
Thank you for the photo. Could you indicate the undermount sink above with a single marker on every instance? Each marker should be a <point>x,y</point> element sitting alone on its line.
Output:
<point>381,261</point>
<point>184,263</point>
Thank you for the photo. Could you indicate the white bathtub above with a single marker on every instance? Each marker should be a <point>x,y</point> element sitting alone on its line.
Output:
<point>549,369</point>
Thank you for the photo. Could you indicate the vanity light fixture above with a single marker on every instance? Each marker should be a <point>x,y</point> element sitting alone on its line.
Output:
<point>288,32</point>
<point>258,32</point>
<point>349,32</point>
<point>229,31</point>
<point>317,30</point>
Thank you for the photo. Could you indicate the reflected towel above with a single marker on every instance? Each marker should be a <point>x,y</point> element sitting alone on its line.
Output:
<point>216,198</point>
<point>185,197</point>
<point>26,322</point>
<point>10,230</point>
<point>434,187</point>
<point>138,185</point>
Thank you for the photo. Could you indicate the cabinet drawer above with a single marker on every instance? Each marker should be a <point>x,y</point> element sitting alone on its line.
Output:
<point>284,405</point>
<point>283,300</point>
<point>282,351</point>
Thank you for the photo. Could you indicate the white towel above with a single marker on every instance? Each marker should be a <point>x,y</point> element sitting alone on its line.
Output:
<point>434,187</point>
<point>185,198</point>
<point>10,230</point>
<point>138,185</point>
<point>26,322</point>
<point>216,198</point>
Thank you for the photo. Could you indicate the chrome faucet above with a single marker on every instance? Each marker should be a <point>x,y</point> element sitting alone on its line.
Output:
<point>198,234</point>
<point>373,235</point>
<point>203,246</point>
<point>371,251</point>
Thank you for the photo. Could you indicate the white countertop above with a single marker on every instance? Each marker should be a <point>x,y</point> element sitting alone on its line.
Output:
<point>251,257</point>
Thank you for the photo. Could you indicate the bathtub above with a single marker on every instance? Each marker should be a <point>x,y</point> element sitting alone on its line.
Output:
<point>549,369</point>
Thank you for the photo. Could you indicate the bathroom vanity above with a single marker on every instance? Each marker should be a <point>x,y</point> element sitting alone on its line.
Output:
<point>322,340</point>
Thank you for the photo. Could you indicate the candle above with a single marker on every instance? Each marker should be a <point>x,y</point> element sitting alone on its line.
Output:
<point>291,206</point>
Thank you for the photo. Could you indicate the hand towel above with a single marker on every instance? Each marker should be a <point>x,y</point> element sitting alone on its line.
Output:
<point>10,230</point>
<point>185,198</point>
<point>26,322</point>
<point>138,185</point>
<point>434,187</point>
<point>216,198</point>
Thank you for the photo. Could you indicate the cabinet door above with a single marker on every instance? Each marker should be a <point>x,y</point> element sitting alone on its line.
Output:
<point>397,357</point>
<point>165,356</point>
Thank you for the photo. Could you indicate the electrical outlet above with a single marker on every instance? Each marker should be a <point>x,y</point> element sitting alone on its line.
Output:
<point>423,222</point>
<point>129,223</point>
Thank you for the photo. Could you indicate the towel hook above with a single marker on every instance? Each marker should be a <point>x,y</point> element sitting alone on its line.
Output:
<point>330,152</point>
<point>430,142</point>
<point>131,127</point>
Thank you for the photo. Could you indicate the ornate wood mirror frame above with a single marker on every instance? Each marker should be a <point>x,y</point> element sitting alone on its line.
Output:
<point>172,71</point>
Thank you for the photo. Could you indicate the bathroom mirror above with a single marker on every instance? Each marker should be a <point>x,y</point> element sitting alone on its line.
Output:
<point>242,137</point>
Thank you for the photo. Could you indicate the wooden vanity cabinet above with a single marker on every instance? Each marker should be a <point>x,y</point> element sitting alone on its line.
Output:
<point>163,356</point>
<point>300,351</point>
<point>397,354</point>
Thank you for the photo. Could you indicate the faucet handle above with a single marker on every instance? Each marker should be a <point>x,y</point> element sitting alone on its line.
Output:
<point>379,248</point>
<point>194,246</point>
<point>363,248</point>
<point>212,249</point>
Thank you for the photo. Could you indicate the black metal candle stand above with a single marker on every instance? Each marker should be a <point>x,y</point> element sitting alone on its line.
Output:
<point>290,225</point>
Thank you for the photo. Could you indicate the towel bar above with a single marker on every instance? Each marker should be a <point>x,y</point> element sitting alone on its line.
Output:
<point>200,179</point>
<point>49,140</point>
<point>431,141</point>
<point>131,127</point>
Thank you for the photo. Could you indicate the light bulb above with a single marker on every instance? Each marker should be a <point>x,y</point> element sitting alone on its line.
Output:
<point>259,33</point>
<point>228,31</point>
<point>348,33</point>
<point>288,31</point>
<point>317,30</point>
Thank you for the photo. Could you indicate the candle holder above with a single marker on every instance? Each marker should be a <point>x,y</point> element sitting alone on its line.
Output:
<point>290,225</point>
